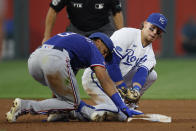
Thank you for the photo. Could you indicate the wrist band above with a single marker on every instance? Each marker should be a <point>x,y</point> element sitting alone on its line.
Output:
<point>117,100</point>
<point>136,87</point>
<point>121,85</point>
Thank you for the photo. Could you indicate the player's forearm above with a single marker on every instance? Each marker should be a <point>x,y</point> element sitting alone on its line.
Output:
<point>118,20</point>
<point>110,90</point>
<point>105,81</point>
<point>108,85</point>
<point>49,23</point>
<point>140,77</point>
<point>119,82</point>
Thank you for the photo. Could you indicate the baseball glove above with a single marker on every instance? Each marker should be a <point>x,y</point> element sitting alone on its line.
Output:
<point>129,95</point>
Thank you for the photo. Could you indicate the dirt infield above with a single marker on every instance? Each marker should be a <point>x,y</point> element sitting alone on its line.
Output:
<point>183,113</point>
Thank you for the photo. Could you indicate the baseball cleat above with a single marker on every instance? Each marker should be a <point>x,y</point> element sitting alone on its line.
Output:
<point>62,116</point>
<point>98,116</point>
<point>57,117</point>
<point>15,111</point>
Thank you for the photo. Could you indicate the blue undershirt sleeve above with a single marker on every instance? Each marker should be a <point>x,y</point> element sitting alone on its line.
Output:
<point>114,69</point>
<point>140,76</point>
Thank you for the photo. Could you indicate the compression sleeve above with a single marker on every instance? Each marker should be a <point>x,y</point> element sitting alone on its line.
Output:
<point>114,69</point>
<point>140,76</point>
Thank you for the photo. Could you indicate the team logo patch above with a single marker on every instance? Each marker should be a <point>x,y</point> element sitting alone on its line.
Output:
<point>134,45</point>
<point>77,5</point>
<point>119,5</point>
<point>99,6</point>
<point>118,48</point>
<point>55,2</point>
<point>162,20</point>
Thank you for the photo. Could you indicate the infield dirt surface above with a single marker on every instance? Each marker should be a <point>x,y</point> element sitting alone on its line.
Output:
<point>183,113</point>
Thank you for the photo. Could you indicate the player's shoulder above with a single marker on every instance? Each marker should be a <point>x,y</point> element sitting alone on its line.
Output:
<point>149,50</point>
<point>129,30</point>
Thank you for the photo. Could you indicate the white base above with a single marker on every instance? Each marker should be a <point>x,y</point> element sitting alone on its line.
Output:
<point>152,117</point>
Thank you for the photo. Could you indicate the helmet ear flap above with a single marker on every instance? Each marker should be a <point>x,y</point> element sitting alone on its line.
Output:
<point>106,40</point>
<point>108,58</point>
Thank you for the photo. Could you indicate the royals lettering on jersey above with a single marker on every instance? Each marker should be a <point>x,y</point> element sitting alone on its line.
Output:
<point>128,47</point>
<point>131,59</point>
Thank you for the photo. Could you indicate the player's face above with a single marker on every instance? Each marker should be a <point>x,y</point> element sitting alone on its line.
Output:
<point>102,48</point>
<point>151,32</point>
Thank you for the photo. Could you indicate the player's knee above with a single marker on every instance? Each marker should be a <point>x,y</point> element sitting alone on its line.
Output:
<point>153,76</point>
<point>54,80</point>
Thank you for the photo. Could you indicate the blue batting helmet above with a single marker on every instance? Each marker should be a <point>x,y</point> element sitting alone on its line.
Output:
<point>106,40</point>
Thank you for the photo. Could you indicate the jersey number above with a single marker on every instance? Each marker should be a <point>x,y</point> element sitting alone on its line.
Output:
<point>65,34</point>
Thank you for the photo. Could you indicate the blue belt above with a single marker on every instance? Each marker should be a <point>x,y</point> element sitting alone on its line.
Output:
<point>55,47</point>
<point>61,49</point>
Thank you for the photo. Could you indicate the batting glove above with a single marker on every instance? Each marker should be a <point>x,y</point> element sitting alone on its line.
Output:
<point>130,112</point>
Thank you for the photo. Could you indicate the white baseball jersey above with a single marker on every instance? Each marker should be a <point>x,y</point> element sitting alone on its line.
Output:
<point>129,48</point>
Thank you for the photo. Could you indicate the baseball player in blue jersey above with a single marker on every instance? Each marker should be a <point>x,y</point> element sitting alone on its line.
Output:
<point>133,58</point>
<point>55,64</point>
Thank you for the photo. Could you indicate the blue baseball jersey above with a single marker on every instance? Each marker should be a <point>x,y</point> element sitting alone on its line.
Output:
<point>114,69</point>
<point>82,51</point>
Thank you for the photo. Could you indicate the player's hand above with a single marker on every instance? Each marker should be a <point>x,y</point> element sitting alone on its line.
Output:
<point>130,112</point>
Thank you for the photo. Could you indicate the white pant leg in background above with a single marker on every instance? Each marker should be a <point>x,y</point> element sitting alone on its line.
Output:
<point>93,88</point>
<point>152,77</point>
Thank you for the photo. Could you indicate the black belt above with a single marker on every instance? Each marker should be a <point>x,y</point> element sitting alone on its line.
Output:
<point>58,48</point>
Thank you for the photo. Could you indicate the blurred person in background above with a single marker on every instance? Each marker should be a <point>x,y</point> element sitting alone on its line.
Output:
<point>189,36</point>
<point>86,17</point>
<point>2,11</point>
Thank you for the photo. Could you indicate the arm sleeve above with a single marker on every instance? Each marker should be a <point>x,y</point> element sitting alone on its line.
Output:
<point>114,69</point>
<point>58,5</point>
<point>140,76</point>
<point>116,6</point>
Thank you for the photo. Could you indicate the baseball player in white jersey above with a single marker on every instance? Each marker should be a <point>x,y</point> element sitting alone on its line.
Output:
<point>136,59</point>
